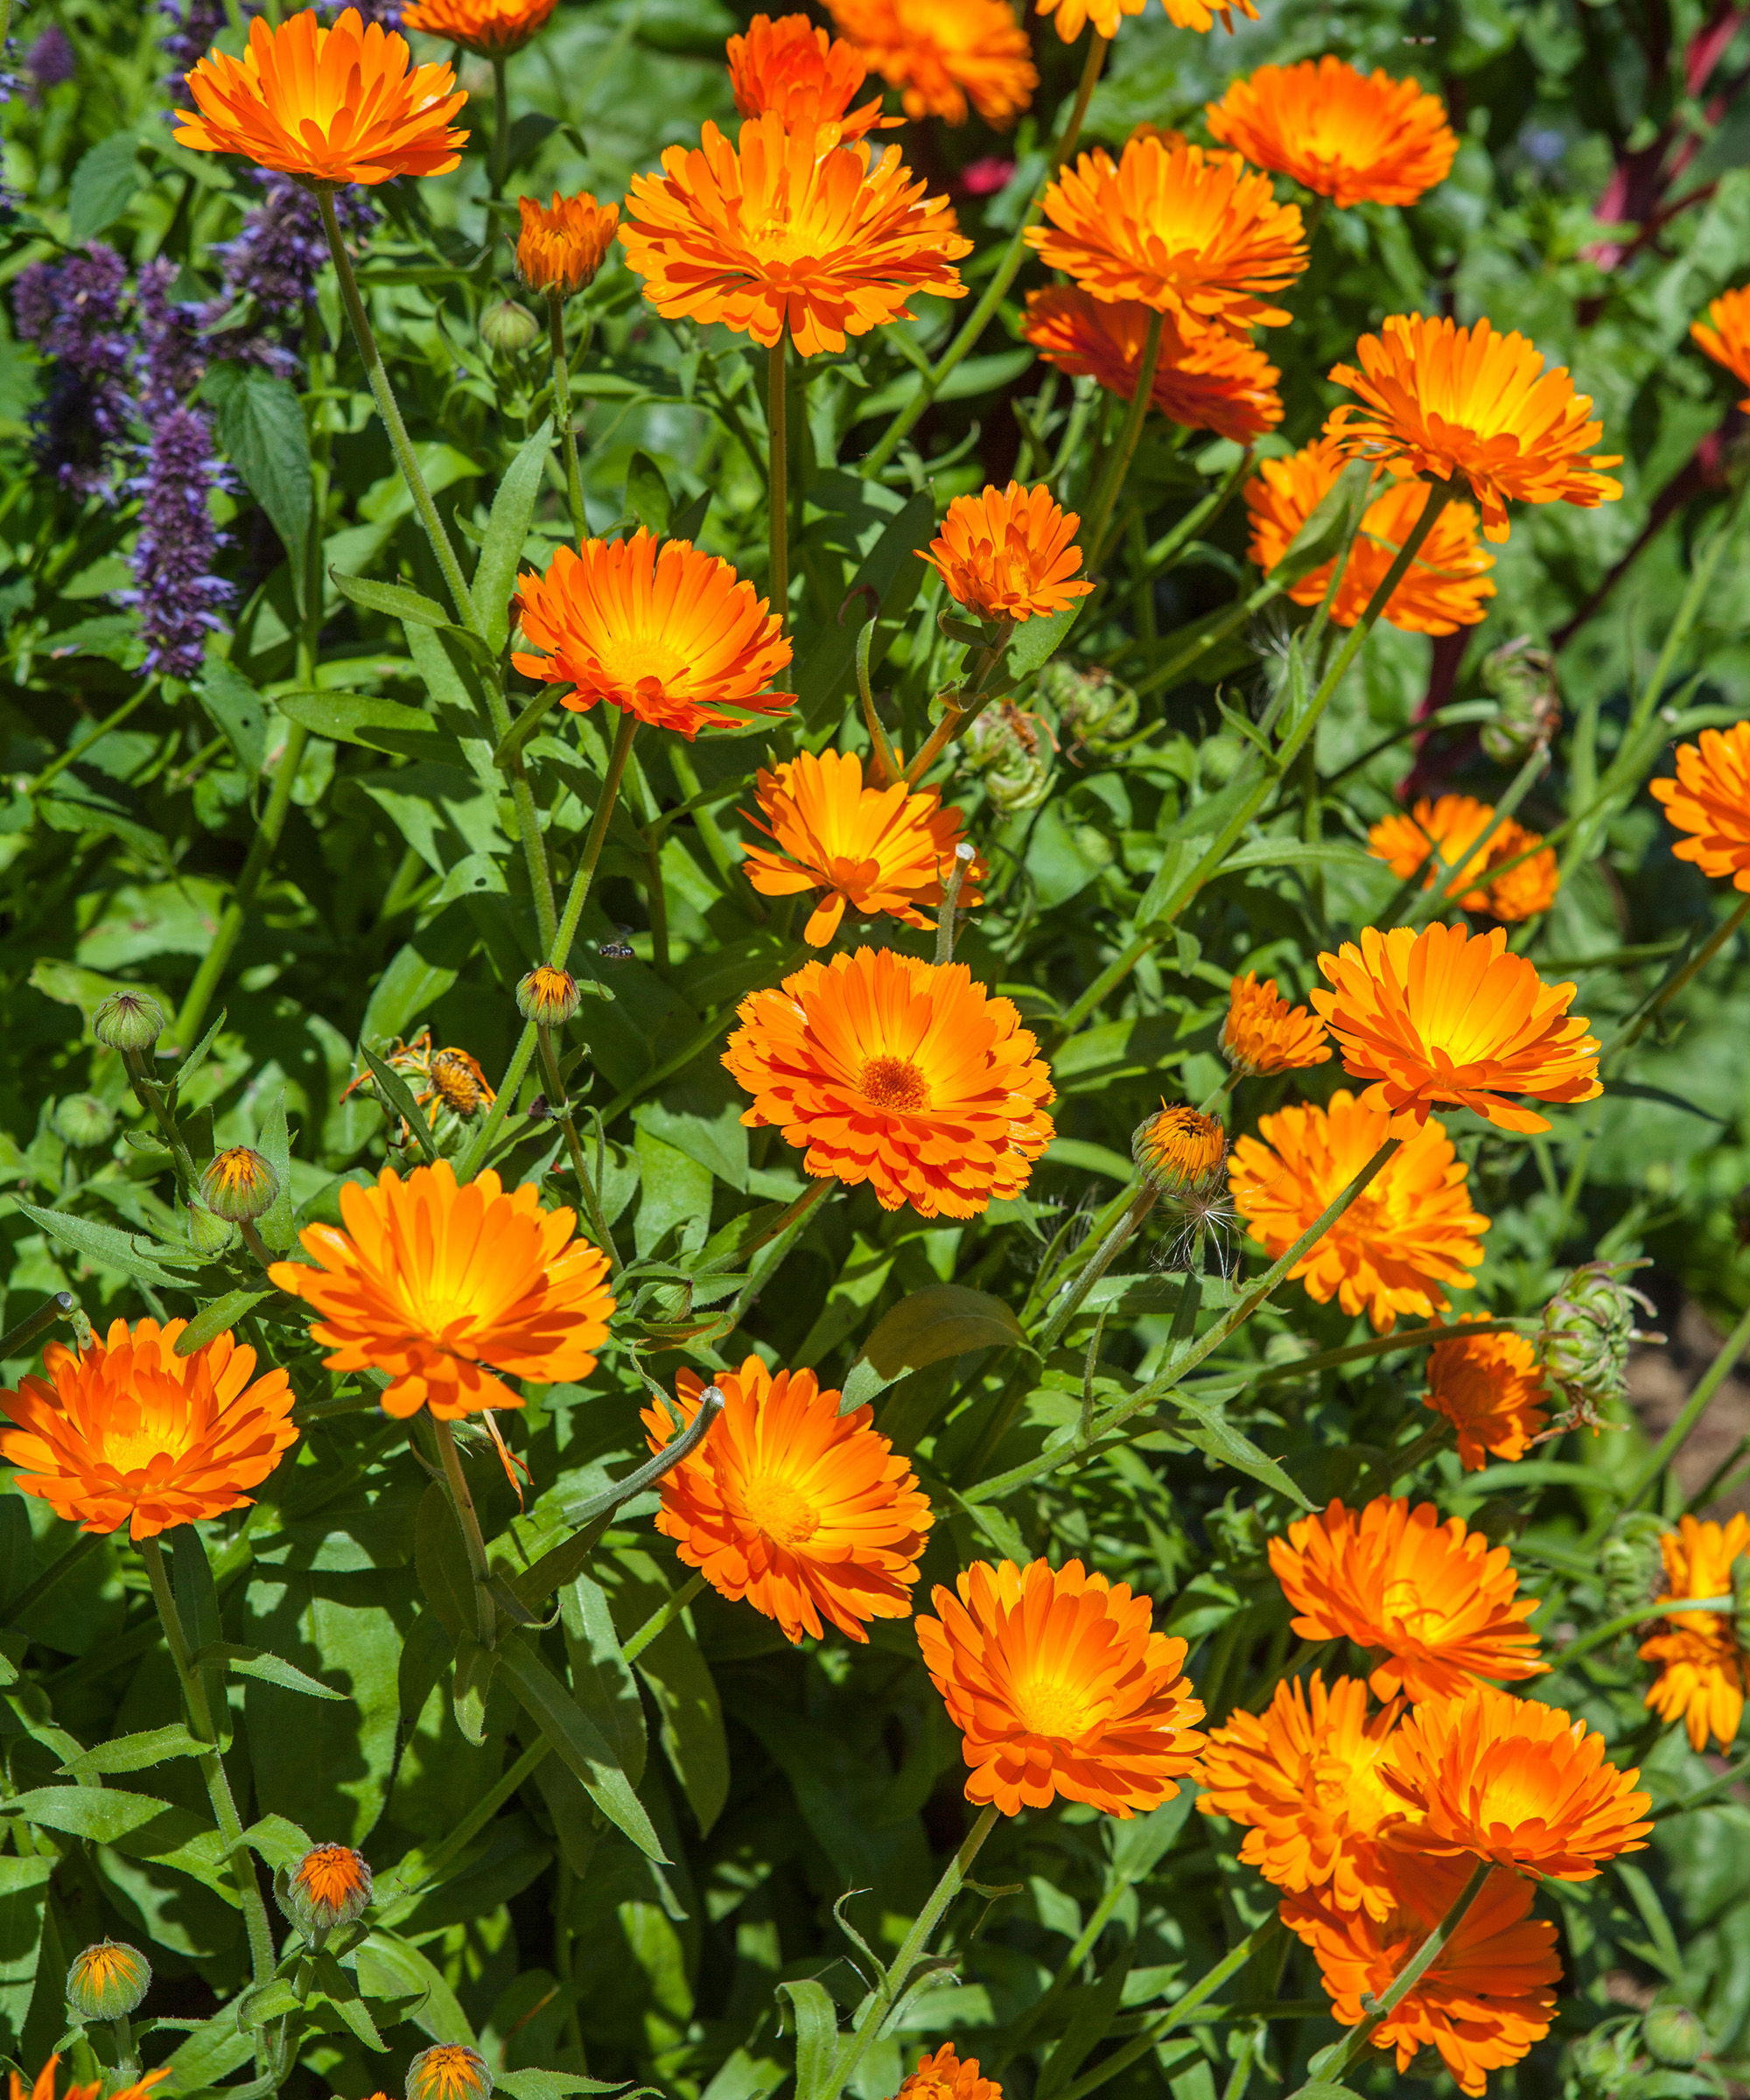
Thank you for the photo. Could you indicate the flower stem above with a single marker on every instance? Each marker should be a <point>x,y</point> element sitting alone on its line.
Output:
<point>500,159</point>
<point>467,1516</point>
<point>151,1097</point>
<point>1119,462</point>
<point>563,429</point>
<point>778,477</point>
<point>1110,1248</point>
<point>950,899</point>
<point>567,1122</point>
<point>21,1341</point>
<point>663,1618</point>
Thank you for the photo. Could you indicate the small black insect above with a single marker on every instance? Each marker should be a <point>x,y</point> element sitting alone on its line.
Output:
<point>615,951</point>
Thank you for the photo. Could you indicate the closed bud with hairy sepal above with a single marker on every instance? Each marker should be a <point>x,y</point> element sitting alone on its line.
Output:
<point>451,2071</point>
<point>107,1981</point>
<point>238,1185</point>
<point>1179,1149</point>
<point>1094,709</point>
<point>127,1020</point>
<point>1012,749</point>
<point>1631,1564</point>
<point>1673,2036</point>
<point>1587,1329</point>
<point>206,1233</point>
<point>330,1887</point>
<point>548,996</point>
<point>84,1122</point>
<point>1522,678</point>
<point>509,327</point>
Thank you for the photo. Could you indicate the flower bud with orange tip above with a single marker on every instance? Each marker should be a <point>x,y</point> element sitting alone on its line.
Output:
<point>107,1981</point>
<point>451,2071</point>
<point>491,29</point>
<point>1727,342</point>
<point>561,246</point>
<point>943,2075</point>
<point>1178,1150</point>
<point>1355,137</point>
<point>805,76</point>
<point>1710,799</point>
<point>239,1184</point>
<point>946,57</point>
<point>1491,1389</point>
<point>1009,554</point>
<point>329,1888</point>
<point>548,996</point>
<point>1069,17</point>
<point>1262,1033</point>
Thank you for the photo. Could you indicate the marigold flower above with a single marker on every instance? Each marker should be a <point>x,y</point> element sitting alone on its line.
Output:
<point>129,1432</point>
<point>107,1981</point>
<point>943,2077</point>
<point>1008,553</point>
<point>944,55</point>
<point>1405,1241</point>
<point>1711,798</point>
<point>563,245</point>
<point>1178,1149</point>
<point>789,1505</point>
<point>1491,1389</point>
<point>1447,1015</point>
<point>655,628</point>
<point>1071,17</point>
<point>783,230</point>
<point>435,1283</point>
<point>1443,589</point>
<point>805,76</point>
<point>1703,1668</point>
<point>1198,236</point>
<point>1059,1686</point>
<point>873,849</point>
<point>493,29</point>
<point>1404,838</point>
<point>1472,403</point>
<point>451,2071</point>
<point>1435,1601</point>
<point>331,1886</point>
<point>1728,341</point>
<point>1264,1033</point>
<point>43,2086</point>
<point>326,106</point>
<point>1355,137</point>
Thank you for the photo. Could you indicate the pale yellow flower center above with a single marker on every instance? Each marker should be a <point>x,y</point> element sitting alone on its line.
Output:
<point>894,1083</point>
<point>773,1506</point>
<point>1047,1706</point>
<point>132,1437</point>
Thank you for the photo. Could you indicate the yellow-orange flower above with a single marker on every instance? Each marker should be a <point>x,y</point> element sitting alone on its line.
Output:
<point>784,230</point>
<point>564,244</point>
<point>1491,1389</point>
<point>1404,838</point>
<point>1198,236</point>
<point>1443,589</point>
<point>1264,1033</point>
<point>1407,1239</point>
<point>872,849</point>
<point>1447,1015</point>
<point>449,2071</point>
<point>1208,380</point>
<point>804,75</point>
<point>944,55</point>
<point>1355,137</point>
<point>655,628</point>
<point>1060,1687</point>
<point>491,28</point>
<point>943,2077</point>
<point>442,1286</point>
<point>1728,341</point>
<point>897,1073</point>
<point>43,2086</point>
<point>1511,1781</point>
<point>331,1886</point>
<point>1710,799</point>
<point>1437,1603</point>
<point>791,1506</point>
<point>1472,404</point>
<point>1703,1667</point>
<point>129,1432</point>
<point>1009,553</point>
<point>1071,17</point>
<point>1178,1149</point>
<point>326,106</point>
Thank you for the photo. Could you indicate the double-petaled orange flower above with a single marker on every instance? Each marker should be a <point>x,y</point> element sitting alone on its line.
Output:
<point>803,76</point>
<point>1727,342</point>
<point>1437,1603</point>
<point>442,1286</point>
<point>1197,236</point>
<point>326,106</point>
<point>563,245</point>
<point>900,1073</point>
<point>1491,1389</point>
<point>1072,17</point>
<point>655,628</point>
<point>1061,1687</point>
<point>1407,1239</point>
<point>43,2085</point>
<point>1405,840</point>
<point>491,29</point>
<point>129,1432</point>
<point>1711,799</point>
<point>871,848</point>
<point>1009,553</point>
<point>1444,588</point>
<point>1703,1668</point>
<point>944,56</point>
<point>1264,1033</point>
<point>1355,137</point>
<point>1472,404</point>
<point>790,1506</point>
<point>943,2077</point>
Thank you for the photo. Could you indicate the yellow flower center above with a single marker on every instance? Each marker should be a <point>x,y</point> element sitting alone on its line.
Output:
<point>132,1437</point>
<point>1047,1706</point>
<point>773,1506</point>
<point>895,1084</point>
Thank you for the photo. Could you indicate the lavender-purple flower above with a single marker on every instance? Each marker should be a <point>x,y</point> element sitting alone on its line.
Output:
<point>175,587</point>
<point>73,311</point>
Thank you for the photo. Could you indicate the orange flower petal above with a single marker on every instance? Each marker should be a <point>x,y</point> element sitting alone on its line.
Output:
<point>1355,137</point>
<point>946,57</point>
<point>1491,1389</point>
<point>1728,341</point>
<point>1264,1033</point>
<point>1007,554</point>
<point>1703,1671</point>
<point>492,28</point>
<point>1710,799</point>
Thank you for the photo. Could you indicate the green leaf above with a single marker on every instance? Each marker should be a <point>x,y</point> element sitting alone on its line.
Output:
<point>274,1141</point>
<point>816,2019</point>
<point>396,599</point>
<point>135,1752</point>
<point>942,1320</point>
<point>218,1319</point>
<point>694,1740</point>
<point>279,1841</point>
<point>440,1556</point>
<point>647,494</point>
<point>1037,641</point>
<point>216,2048</point>
<point>236,710</point>
<point>102,187</point>
<point>1090,2023</point>
<point>197,1600</point>
<point>1330,526</point>
<point>132,1253</point>
<point>1204,1424</point>
<point>507,529</point>
<point>261,431</point>
<point>577,1741</point>
<point>548,2085</point>
<point>399,1095</point>
<point>560,1563</point>
<point>270,1669</point>
<point>891,572</point>
<point>371,721</point>
<point>469,1687</point>
<point>602,1681</point>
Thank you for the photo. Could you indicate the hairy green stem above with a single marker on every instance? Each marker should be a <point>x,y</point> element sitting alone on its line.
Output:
<point>778,494</point>
<point>500,150</point>
<point>564,429</point>
<point>1118,461</point>
<point>462,1501</point>
<point>562,1113</point>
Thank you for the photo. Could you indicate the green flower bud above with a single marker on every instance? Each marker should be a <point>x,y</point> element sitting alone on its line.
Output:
<point>509,327</point>
<point>1011,749</point>
<point>1094,709</point>
<point>84,1122</point>
<point>547,996</point>
<point>330,1887</point>
<point>451,2071</point>
<point>1586,1333</point>
<point>1673,2036</point>
<point>127,1020</point>
<point>107,1981</point>
<point>1631,1564</point>
<point>238,1185</point>
<point>1521,679</point>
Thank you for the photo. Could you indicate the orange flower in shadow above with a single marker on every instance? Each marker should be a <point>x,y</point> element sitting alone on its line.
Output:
<point>43,2086</point>
<point>943,2077</point>
<point>1711,799</point>
<point>804,75</point>
<point>1355,137</point>
<point>491,29</point>
<point>1703,1668</point>
<point>1491,1389</point>
<point>1403,841</point>
<point>563,245</point>
<point>1009,553</point>
<point>946,57</point>
<point>1727,342</point>
<point>1264,1033</point>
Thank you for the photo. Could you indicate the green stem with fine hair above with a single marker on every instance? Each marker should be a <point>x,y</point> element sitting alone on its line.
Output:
<point>462,1500</point>
<point>501,148</point>
<point>1118,463</point>
<point>564,429</point>
<point>778,485</point>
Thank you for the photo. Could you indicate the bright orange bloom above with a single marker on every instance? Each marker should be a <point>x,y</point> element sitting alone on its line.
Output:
<point>1406,1240</point>
<point>331,1886</point>
<point>1728,341</point>
<point>1403,840</point>
<point>791,1506</point>
<point>1071,17</point>
<point>1264,1033</point>
<point>1486,1997</point>
<point>129,1432</point>
<point>1060,1687</point>
<point>43,2086</point>
<point>1491,1389</point>
<point>943,2077</point>
<point>1443,589</point>
<point>1198,236</point>
<point>1179,1149</point>
<point>805,76</point>
<point>451,2071</point>
<point>1472,403</point>
<point>1514,1781</point>
<point>326,106</point>
<point>944,55</point>
<point>435,1283</point>
<point>563,245</point>
<point>1009,553</point>
<point>873,849</point>
<point>655,628</point>
<point>1210,380</point>
<point>1704,1667</point>
<point>1302,1778</point>
<point>782,230</point>
<point>491,28</point>
<point>1435,1601</point>
<point>1711,798</point>
<point>1355,137</point>
<point>1447,1015</point>
<point>897,1073</point>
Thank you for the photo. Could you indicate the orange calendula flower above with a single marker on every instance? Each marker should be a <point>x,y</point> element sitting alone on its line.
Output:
<point>900,1074</point>
<point>442,1286</point>
<point>563,245</point>
<point>943,2077</point>
<point>326,106</point>
<point>791,1506</point>
<point>1405,839</point>
<point>873,849</point>
<point>1514,1781</point>
<point>1197,236</point>
<point>1703,1667</point>
<point>1060,1687</point>
<point>1727,342</point>
<point>1444,588</point>
<point>129,1432</point>
<point>1071,17</point>
<point>1407,1239</point>
<point>331,1886</point>
<point>1355,137</point>
<point>1710,799</point>
<point>804,75</point>
<point>1472,404</point>
<point>946,57</point>
<point>655,628</point>
<point>1179,1148</point>
<point>43,2086</point>
<point>1264,1033</point>
<point>1449,1016</point>
<point>451,2071</point>
<point>491,29</point>
<point>1437,1602</point>
<point>1009,553</point>
<point>1491,1389</point>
